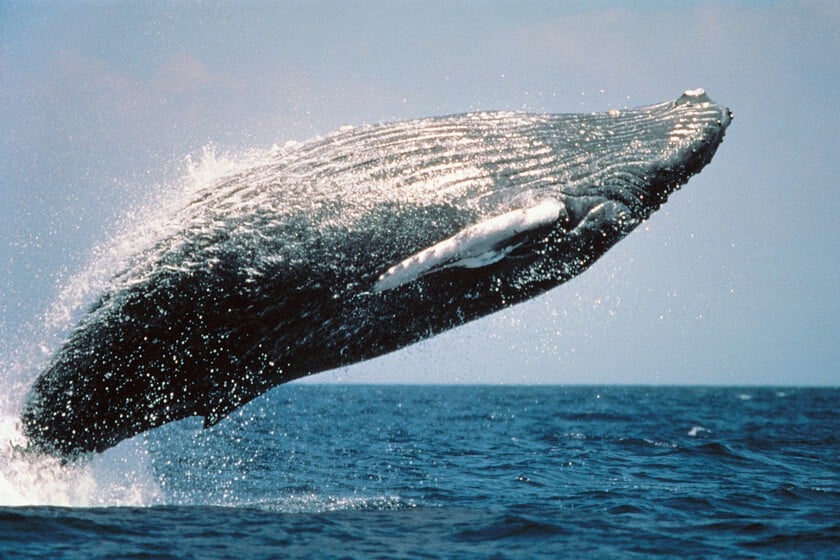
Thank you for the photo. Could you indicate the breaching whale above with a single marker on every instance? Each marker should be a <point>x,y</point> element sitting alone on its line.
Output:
<point>353,245</point>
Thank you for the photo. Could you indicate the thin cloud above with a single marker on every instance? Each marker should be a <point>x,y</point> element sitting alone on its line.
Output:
<point>181,74</point>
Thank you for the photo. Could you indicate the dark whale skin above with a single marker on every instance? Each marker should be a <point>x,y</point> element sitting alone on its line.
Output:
<point>280,271</point>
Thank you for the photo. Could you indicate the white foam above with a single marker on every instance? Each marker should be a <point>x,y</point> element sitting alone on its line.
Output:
<point>696,431</point>
<point>316,503</point>
<point>118,478</point>
<point>121,476</point>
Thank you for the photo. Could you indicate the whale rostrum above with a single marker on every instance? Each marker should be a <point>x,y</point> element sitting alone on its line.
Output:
<point>354,245</point>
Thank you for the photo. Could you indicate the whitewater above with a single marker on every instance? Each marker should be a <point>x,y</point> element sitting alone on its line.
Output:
<point>119,478</point>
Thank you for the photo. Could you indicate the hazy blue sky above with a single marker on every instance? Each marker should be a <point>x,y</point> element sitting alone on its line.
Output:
<point>736,280</point>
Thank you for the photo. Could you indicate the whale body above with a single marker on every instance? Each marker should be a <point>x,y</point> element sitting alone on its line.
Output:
<point>354,245</point>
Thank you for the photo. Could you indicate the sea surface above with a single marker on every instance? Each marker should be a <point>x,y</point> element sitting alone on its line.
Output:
<point>402,471</point>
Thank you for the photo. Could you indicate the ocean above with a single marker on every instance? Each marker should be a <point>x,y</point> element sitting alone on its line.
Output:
<point>412,471</point>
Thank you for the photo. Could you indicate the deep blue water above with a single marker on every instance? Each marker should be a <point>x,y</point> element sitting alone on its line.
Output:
<point>333,471</point>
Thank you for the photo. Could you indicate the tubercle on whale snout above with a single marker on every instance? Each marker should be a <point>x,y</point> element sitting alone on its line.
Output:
<point>456,216</point>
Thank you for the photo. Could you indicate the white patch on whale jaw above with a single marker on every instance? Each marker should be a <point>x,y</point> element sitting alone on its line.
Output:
<point>476,246</point>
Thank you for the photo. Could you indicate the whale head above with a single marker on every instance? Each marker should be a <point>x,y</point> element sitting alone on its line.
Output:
<point>627,162</point>
<point>581,183</point>
<point>636,158</point>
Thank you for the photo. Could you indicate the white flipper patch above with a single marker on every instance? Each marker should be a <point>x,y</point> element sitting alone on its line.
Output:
<point>478,245</point>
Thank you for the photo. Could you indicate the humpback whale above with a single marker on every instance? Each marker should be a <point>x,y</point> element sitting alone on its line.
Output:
<point>353,245</point>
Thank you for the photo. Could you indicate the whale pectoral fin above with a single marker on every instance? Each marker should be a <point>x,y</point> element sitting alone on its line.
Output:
<point>478,245</point>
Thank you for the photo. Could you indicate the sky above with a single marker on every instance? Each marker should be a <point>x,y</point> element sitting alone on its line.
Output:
<point>735,281</point>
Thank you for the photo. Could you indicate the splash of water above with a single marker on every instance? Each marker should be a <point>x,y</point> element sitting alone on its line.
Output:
<point>122,476</point>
